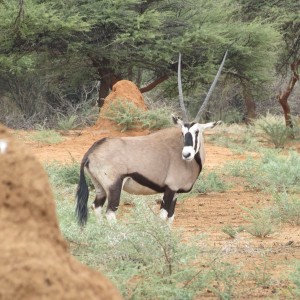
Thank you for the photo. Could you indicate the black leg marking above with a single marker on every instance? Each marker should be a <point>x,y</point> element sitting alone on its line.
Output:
<point>167,199</point>
<point>99,201</point>
<point>172,208</point>
<point>114,196</point>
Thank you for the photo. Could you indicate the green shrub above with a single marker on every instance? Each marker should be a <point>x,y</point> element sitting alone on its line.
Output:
<point>226,279</point>
<point>271,173</point>
<point>274,130</point>
<point>212,182</point>
<point>67,122</point>
<point>128,116</point>
<point>287,208</point>
<point>261,222</point>
<point>232,231</point>
<point>144,258</point>
<point>47,137</point>
<point>63,174</point>
<point>295,278</point>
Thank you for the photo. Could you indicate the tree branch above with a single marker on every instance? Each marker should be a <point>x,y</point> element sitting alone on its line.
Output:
<point>153,84</point>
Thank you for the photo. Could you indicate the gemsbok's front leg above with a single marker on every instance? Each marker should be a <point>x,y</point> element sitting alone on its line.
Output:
<point>167,206</point>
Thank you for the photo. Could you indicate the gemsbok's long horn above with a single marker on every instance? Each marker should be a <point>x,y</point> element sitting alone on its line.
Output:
<point>181,101</point>
<point>197,119</point>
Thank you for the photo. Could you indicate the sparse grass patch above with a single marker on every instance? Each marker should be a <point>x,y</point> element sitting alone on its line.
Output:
<point>63,174</point>
<point>210,182</point>
<point>235,137</point>
<point>46,137</point>
<point>295,278</point>
<point>271,173</point>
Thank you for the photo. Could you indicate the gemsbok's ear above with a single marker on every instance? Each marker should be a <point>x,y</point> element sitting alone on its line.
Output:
<point>209,125</point>
<point>176,120</point>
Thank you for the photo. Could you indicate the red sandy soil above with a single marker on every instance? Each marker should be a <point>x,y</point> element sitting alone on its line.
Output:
<point>205,213</point>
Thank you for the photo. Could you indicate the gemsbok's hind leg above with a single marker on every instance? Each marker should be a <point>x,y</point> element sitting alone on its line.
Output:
<point>113,197</point>
<point>99,200</point>
<point>167,205</point>
<point>98,205</point>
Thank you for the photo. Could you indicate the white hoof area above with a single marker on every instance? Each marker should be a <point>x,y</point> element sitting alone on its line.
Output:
<point>171,220</point>
<point>111,217</point>
<point>163,214</point>
<point>98,213</point>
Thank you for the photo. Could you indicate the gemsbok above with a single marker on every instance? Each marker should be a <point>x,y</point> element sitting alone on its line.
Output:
<point>168,161</point>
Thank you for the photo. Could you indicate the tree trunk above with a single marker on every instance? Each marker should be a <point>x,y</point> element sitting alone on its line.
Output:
<point>249,101</point>
<point>283,97</point>
<point>106,83</point>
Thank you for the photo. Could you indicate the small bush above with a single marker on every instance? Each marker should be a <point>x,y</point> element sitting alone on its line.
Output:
<point>232,231</point>
<point>128,116</point>
<point>261,222</point>
<point>67,122</point>
<point>63,174</point>
<point>47,137</point>
<point>226,279</point>
<point>274,130</point>
<point>211,182</point>
<point>287,208</point>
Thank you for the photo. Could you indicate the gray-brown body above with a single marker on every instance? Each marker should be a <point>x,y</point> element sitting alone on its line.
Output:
<point>140,165</point>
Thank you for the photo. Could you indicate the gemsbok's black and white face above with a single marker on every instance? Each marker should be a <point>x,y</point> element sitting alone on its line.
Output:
<point>192,136</point>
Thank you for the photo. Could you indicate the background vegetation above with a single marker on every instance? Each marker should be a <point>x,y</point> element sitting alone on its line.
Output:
<point>60,59</point>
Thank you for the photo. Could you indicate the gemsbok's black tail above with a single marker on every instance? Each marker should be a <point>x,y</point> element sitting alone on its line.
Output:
<point>82,196</point>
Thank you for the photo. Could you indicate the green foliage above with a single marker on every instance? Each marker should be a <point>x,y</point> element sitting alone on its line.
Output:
<point>261,223</point>
<point>271,173</point>
<point>235,137</point>
<point>261,273</point>
<point>232,231</point>
<point>295,278</point>
<point>67,43</point>
<point>67,123</point>
<point>47,137</point>
<point>61,174</point>
<point>274,130</point>
<point>141,254</point>
<point>212,182</point>
<point>226,277</point>
<point>286,208</point>
<point>128,116</point>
